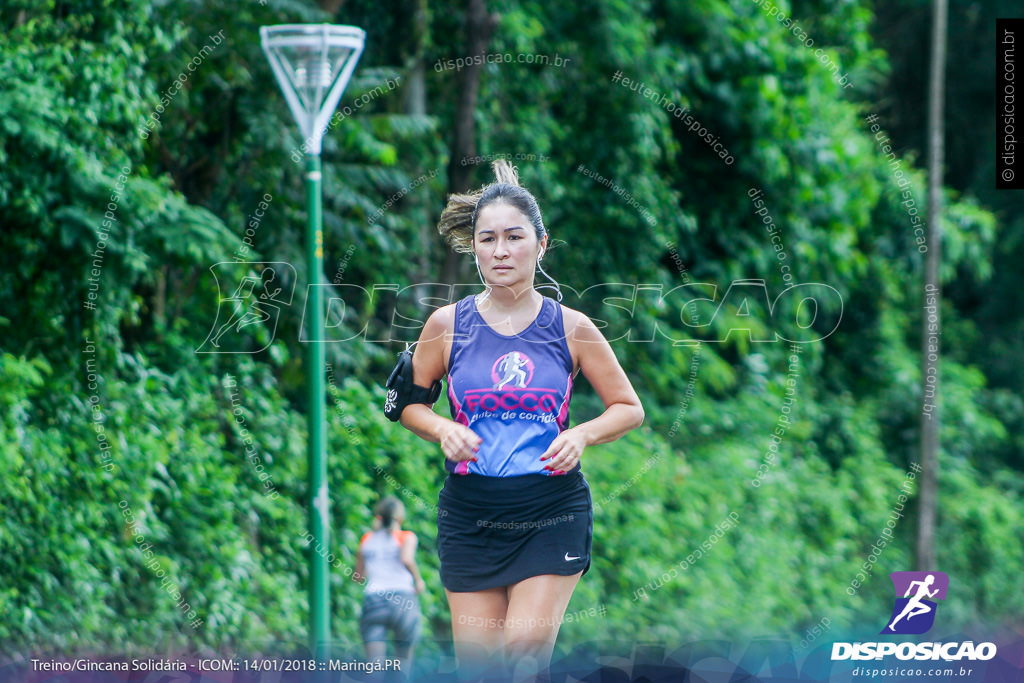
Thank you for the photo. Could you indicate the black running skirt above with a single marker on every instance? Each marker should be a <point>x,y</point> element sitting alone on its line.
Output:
<point>497,531</point>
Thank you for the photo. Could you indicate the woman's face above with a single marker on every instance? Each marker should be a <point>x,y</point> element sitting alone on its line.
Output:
<point>506,246</point>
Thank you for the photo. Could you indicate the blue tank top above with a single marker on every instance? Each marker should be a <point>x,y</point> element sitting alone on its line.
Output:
<point>513,391</point>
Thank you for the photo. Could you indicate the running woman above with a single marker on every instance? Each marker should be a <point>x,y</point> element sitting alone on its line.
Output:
<point>387,560</point>
<point>515,517</point>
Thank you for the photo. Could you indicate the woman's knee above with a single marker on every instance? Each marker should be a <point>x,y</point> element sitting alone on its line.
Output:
<point>532,642</point>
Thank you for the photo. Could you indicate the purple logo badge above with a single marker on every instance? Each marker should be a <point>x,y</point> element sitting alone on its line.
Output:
<point>513,370</point>
<point>916,592</point>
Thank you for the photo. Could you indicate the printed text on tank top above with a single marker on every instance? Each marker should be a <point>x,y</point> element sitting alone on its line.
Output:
<point>512,390</point>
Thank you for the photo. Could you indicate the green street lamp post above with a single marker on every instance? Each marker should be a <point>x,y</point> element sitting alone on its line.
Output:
<point>312,64</point>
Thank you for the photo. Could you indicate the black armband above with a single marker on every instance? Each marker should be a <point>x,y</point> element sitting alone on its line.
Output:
<point>402,391</point>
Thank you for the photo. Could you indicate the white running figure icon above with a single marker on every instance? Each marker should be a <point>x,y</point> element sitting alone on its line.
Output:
<point>511,366</point>
<point>914,606</point>
<point>257,311</point>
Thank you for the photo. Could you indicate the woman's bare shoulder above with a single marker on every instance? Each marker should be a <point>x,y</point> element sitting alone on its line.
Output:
<point>441,320</point>
<point>577,325</point>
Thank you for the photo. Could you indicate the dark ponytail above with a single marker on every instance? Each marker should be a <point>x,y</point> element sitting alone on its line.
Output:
<point>387,509</point>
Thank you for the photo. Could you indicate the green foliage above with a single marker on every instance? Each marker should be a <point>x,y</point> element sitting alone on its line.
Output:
<point>105,406</point>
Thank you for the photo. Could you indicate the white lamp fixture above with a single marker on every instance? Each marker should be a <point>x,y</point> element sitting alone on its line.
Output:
<point>312,64</point>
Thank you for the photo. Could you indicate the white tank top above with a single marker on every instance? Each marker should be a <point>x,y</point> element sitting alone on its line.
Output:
<point>382,561</point>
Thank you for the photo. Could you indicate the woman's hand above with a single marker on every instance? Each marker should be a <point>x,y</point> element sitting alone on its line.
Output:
<point>565,451</point>
<point>459,442</point>
<point>420,585</point>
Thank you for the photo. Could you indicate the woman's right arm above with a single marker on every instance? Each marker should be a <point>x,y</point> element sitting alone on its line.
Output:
<point>458,442</point>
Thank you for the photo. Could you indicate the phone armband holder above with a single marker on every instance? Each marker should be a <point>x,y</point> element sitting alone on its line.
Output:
<point>402,391</point>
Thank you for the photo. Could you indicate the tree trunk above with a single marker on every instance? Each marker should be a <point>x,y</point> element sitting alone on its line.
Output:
<point>479,27</point>
<point>331,7</point>
<point>416,105</point>
<point>931,326</point>
<point>416,90</point>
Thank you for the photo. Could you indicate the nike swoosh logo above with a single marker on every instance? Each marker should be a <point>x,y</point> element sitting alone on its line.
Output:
<point>570,559</point>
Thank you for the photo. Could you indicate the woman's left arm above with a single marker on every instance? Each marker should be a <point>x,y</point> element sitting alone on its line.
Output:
<point>359,574</point>
<point>408,557</point>
<point>599,365</point>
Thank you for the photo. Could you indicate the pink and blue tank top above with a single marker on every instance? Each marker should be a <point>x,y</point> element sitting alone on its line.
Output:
<point>513,391</point>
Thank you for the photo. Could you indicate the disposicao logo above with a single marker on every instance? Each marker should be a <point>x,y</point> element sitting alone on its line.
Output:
<point>914,613</point>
